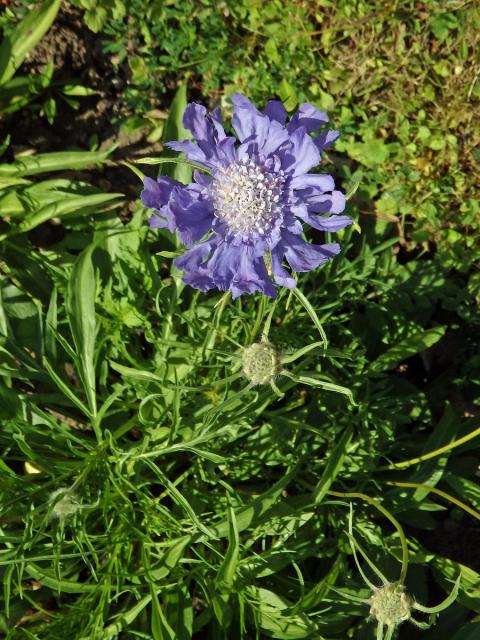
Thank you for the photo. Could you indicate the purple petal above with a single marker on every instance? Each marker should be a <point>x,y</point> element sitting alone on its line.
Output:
<point>303,256</point>
<point>217,123</point>
<point>201,280</point>
<point>156,193</point>
<point>326,202</point>
<point>193,258</point>
<point>276,111</point>
<point>325,139</point>
<point>309,117</point>
<point>316,183</point>
<point>208,133</point>
<point>331,223</point>
<point>223,265</point>
<point>323,223</point>
<point>191,150</point>
<point>202,179</point>
<point>193,218</point>
<point>303,154</point>
<point>157,221</point>
<point>226,151</point>
<point>280,274</point>
<point>251,275</point>
<point>195,120</point>
<point>247,119</point>
<point>255,127</point>
<point>275,137</point>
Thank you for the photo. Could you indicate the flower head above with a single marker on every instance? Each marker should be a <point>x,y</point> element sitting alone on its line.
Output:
<point>260,363</point>
<point>390,605</point>
<point>251,199</point>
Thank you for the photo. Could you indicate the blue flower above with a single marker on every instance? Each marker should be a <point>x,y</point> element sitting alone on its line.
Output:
<point>250,202</point>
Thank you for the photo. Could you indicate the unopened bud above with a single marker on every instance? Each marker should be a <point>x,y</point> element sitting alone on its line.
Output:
<point>390,605</point>
<point>260,363</point>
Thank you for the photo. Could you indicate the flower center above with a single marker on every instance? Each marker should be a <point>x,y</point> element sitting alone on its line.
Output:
<point>247,197</point>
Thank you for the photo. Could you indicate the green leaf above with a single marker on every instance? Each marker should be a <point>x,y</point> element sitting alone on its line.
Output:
<point>61,586</point>
<point>312,313</point>
<point>80,305</point>
<point>49,109</point>
<point>161,630</point>
<point>174,130</point>
<point>271,52</point>
<point>58,161</point>
<point>250,514</point>
<point>447,571</point>
<point>95,18</point>
<point>226,573</point>
<point>78,90</point>
<point>431,471</point>
<point>334,464</point>
<point>320,591</point>
<point>288,95</point>
<point>139,69</point>
<point>407,348</point>
<point>371,153</point>
<point>15,47</point>
<point>273,616</point>
<point>51,327</point>
<point>470,631</point>
<point>179,612</point>
<point>465,489</point>
<point>65,389</point>
<point>64,206</point>
<point>171,558</point>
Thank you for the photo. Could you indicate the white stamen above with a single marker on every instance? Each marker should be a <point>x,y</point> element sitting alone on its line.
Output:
<point>247,197</point>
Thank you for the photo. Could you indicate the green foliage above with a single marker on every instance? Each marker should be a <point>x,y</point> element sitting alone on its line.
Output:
<point>188,486</point>
<point>38,91</point>
<point>402,83</point>
<point>148,490</point>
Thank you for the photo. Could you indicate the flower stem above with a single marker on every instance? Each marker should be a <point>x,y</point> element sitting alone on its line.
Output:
<point>438,492</point>
<point>387,514</point>
<point>431,454</point>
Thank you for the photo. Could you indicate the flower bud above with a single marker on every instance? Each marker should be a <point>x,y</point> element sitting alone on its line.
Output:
<point>390,605</point>
<point>260,363</point>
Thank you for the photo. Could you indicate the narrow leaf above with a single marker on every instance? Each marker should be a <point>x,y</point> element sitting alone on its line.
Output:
<point>81,315</point>
<point>228,567</point>
<point>15,47</point>
<point>334,464</point>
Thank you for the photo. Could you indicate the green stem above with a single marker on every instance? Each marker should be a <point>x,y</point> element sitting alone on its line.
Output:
<point>387,514</point>
<point>431,454</point>
<point>259,318</point>
<point>438,492</point>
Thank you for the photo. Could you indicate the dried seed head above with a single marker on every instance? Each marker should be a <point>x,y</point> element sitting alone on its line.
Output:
<point>66,506</point>
<point>390,605</point>
<point>260,363</point>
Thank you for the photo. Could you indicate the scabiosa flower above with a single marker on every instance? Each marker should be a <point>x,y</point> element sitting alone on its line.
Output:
<point>252,198</point>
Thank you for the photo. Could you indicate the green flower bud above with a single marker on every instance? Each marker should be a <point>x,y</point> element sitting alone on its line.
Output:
<point>260,362</point>
<point>390,605</point>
